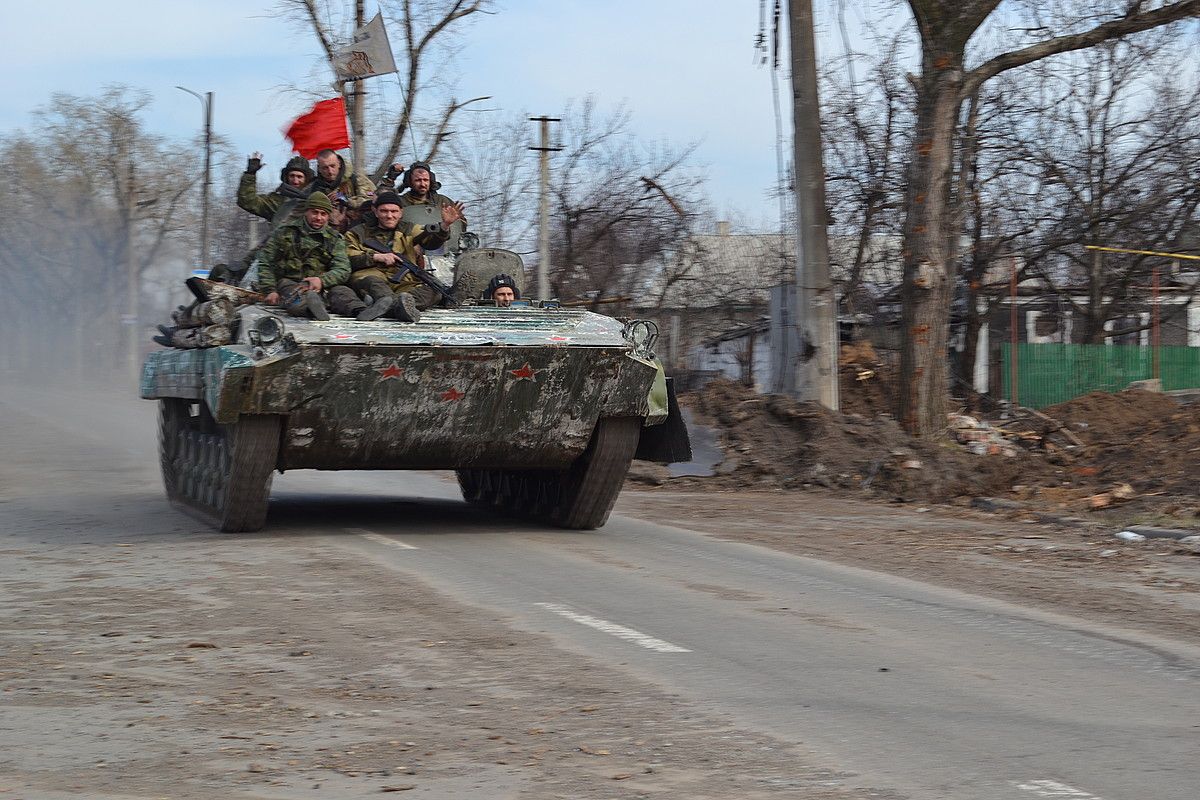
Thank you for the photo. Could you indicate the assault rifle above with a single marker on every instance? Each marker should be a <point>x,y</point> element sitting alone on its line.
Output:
<point>408,268</point>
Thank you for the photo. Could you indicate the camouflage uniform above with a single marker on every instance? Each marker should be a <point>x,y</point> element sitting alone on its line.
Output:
<point>267,206</point>
<point>368,278</point>
<point>295,251</point>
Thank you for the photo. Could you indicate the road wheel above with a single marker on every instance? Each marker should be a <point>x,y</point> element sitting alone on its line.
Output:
<point>221,471</point>
<point>587,491</point>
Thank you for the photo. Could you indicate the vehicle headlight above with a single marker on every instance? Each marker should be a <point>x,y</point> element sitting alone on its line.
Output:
<point>642,334</point>
<point>266,330</point>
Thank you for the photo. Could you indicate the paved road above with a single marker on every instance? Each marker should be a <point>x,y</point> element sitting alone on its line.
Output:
<point>926,692</point>
<point>920,692</point>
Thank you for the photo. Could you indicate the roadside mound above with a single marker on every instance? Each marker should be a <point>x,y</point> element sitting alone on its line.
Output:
<point>1144,439</point>
<point>774,441</point>
<point>1131,456</point>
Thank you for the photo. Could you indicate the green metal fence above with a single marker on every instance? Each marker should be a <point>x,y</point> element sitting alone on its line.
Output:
<point>1054,373</point>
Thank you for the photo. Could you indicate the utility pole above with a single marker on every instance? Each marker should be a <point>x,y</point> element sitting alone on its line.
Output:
<point>544,150</point>
<point>204,234</point>
<point>816,305</point>
<point>360,100</point>
<point>206,101</point>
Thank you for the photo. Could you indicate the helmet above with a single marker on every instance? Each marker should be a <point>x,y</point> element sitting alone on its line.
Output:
<point>501,280</point>
<point>406,181</point>
<point>296,164</point>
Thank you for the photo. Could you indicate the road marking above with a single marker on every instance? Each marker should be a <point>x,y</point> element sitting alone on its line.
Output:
<point>1055,789</point>
<point>375,537</point>
<point>613,629</point>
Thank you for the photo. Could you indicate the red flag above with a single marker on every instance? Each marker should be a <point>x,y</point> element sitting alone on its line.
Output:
<point>322,128</point>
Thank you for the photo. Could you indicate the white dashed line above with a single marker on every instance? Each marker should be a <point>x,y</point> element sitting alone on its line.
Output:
<point>1055,789</point>
<point>613,629</point>
<point>375,537</point>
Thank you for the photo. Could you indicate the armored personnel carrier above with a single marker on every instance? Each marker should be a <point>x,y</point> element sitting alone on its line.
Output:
<point>538,408</point>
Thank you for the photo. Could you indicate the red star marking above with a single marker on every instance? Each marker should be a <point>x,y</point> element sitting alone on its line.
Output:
<point>390,373</point>
<point>453,395</point>
<point>525,373</point>
<point>559,339</point>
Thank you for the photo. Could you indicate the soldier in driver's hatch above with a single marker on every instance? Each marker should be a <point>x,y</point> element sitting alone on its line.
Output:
<point>294,179</point>
<point>377,251</point>
<point>502,290</point>
<point>301,259</point>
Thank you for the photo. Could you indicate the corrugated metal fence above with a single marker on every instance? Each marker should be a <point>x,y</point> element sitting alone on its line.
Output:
<point>1054,373</point>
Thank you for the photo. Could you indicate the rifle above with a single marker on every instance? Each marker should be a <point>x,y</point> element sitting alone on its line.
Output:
<point>407,267</point>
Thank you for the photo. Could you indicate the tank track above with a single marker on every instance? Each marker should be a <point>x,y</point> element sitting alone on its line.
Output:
<point>581,498</point>
<point>222,473</point>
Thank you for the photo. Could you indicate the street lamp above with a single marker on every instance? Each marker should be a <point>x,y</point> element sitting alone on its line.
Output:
<point>206,101</point>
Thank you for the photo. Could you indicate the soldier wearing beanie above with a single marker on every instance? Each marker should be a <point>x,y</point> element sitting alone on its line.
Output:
<point>377,249</point>
<point>304,258</point>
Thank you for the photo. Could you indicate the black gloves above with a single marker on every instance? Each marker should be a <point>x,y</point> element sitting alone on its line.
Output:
<point>253,165</point>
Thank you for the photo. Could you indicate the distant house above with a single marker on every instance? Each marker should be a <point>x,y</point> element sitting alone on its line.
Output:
<point>715,289</point>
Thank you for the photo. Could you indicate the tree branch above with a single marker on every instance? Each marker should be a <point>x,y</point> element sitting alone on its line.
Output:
<point>1113,29</point>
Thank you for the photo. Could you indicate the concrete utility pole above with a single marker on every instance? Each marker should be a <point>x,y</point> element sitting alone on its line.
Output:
<point>207,102</point>
<point>544,150</point>
<point>816,305</point>
<point>360,100</point>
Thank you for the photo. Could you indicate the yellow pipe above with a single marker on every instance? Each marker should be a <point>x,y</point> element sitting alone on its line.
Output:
<point>1139,252</point>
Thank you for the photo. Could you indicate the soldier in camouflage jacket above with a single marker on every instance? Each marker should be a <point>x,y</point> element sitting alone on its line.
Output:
<point>302,258</point>
<point>294,180</point>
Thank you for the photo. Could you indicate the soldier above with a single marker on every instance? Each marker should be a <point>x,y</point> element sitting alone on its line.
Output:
<point>422,186</point>
<point>502,290</point>
<point>378,250</point>
<point>336,177</point>
<point>303,257</point>
<point>294,179</point>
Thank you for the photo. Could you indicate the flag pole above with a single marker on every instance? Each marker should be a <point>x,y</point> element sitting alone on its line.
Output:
<point>360,99</point>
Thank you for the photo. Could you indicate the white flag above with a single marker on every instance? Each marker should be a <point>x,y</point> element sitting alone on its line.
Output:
<point>370,54</point>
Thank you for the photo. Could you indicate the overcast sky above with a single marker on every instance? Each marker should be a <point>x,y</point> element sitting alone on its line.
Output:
<point>686,68</point>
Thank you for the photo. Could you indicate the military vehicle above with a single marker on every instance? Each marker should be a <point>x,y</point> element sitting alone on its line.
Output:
<point>538,408</point>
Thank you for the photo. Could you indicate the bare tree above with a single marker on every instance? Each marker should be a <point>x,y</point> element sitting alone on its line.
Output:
<point>424,26</point>
<point>495,176</point>
<point>1117,155</point>
<point>96,205</point>
<point>946,27</point>
<point>865,128</point>
<point>619,203</point>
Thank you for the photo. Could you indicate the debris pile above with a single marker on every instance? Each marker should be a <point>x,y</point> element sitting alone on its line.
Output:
<point>1136,451</point>
<point>980,438</point>
<point>772,441</point>
<point>866,379</point>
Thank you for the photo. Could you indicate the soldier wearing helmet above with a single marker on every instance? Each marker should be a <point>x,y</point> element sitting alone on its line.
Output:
<point>294,180</point>
<point>419,186</point>
<point>502,290</point>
